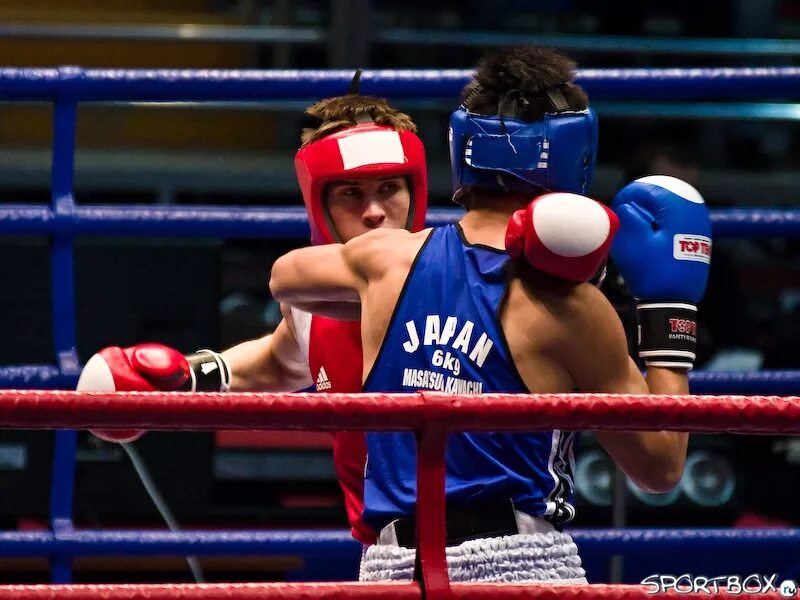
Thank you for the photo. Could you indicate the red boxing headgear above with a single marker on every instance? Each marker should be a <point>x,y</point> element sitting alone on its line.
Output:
<point>366,150</point>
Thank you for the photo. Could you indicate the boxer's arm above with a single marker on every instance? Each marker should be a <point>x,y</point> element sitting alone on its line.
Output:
<point>330,280</point>
<point>273,363</point>
<point>663,452</point>
<point>653,460</point>
<point>317,277</point>
<point>662,380</point>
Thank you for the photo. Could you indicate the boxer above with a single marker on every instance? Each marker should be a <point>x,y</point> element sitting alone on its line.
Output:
<point>499,302</point>
<point>362,168</point>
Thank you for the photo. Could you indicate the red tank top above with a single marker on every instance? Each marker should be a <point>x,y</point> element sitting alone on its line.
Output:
<point>336,363</point>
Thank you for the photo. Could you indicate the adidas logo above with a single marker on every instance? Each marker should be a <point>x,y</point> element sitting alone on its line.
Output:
<point>323,383</point>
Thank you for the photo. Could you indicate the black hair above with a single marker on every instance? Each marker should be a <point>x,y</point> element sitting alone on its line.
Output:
<point>521,82</point>
<point>524,82</point>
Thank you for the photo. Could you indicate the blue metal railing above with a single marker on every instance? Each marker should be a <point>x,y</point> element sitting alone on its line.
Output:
<point>261,34</point>
<point>594,44</point>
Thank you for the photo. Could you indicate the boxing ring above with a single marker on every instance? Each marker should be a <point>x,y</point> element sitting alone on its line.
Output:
<point>29,406</point>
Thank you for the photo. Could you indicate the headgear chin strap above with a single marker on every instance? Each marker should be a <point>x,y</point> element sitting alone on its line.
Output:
<point>365,150</point>
<point>498,152</point>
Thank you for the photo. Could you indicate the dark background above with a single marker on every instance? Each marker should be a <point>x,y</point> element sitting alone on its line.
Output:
<point>212,293</point>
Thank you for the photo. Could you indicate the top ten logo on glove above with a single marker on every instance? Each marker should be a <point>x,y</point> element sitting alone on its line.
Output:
<point>691,247</point>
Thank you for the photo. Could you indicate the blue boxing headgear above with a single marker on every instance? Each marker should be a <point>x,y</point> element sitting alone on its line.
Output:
<point>497,152</point>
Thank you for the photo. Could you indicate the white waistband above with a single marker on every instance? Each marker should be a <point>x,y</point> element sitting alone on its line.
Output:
<point>518,558</point>
<point>526,525</point>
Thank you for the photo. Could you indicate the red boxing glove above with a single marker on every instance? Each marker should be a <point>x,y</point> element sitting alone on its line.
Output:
<point>564,235</point>
<point>150,368</point>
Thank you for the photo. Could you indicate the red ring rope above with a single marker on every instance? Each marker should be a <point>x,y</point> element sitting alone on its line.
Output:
<point>336,591</point>
<point>40,409</point>
<point>431,414</point>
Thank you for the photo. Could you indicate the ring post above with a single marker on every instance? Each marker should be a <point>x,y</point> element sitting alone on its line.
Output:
<point>65,112</point>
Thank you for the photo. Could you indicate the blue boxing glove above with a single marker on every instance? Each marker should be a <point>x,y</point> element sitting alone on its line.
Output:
<point>663,251</point>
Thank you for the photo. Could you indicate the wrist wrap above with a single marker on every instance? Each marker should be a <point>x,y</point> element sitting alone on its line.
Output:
<point>667,334</point>
<point>210,372</point>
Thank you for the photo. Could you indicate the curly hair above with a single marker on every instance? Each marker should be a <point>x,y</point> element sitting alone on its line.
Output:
<point>342,112</point>
<point>521,78</point>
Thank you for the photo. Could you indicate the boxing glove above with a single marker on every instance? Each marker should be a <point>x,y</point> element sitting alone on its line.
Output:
<point>663,251</point>
<point>148,368</point>
<point>564,235</point>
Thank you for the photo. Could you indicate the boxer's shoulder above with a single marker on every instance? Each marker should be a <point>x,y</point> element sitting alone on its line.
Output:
<point>382,235</point>
<point>583,306</point>
<point>555,309</point>
<point>372,253</point>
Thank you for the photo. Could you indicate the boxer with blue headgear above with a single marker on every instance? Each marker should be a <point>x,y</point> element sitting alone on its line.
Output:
<point>522,135</point>
<point>446,309</point>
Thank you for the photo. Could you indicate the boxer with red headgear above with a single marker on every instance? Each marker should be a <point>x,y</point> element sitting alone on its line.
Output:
<point>362,168</point>
<point>382,146</point>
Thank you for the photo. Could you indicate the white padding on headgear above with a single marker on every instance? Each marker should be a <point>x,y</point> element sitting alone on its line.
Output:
<point>371,148</point>
<point>570,225</point>
<point>674,185</point>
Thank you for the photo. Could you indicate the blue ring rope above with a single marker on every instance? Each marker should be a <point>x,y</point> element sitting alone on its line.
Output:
<point>186,85</point>
<point>326,543</point>
<point>291,222</point>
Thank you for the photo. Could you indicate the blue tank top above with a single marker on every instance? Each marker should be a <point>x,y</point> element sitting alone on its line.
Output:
<point>445,335</point>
